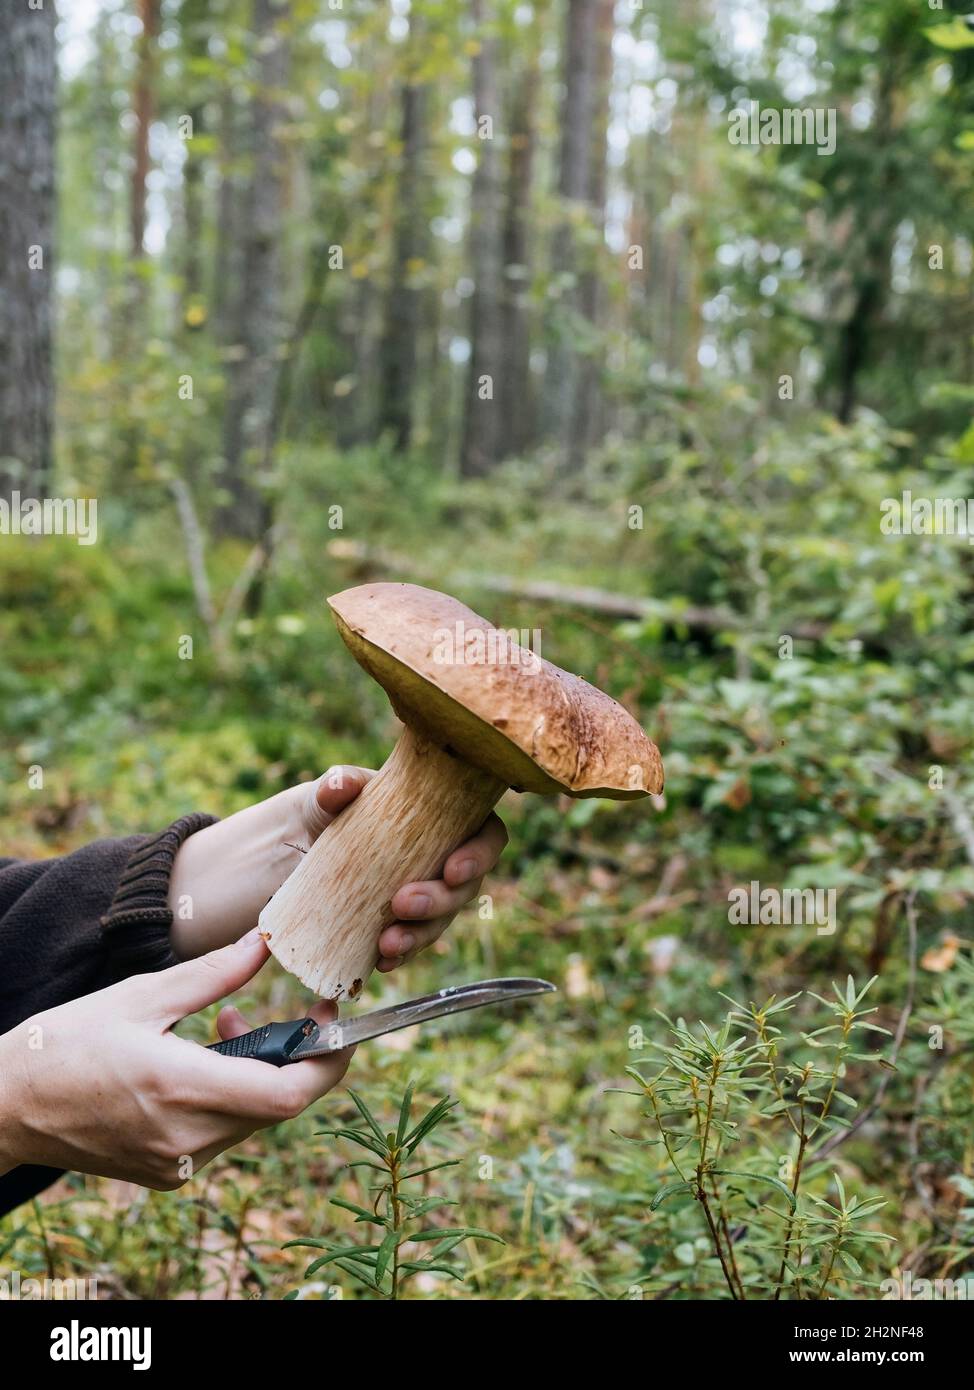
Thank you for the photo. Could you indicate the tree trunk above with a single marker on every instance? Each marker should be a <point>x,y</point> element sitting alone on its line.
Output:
<point>690,134</point>
<point>228,250</point>
<point>193,27</point>
<point>853,350</point>
<point>586,427</point>
<point>517,398</point>
<point>28,80</point>
<point>561,379</point>
<point>192,221</point>
<point>874,237</point>
<point>248,435</point>
<point>361,306</point>
<point>143,102</point>
<point>106,311</point>
<point>484,404</point>
<point>403,320</point>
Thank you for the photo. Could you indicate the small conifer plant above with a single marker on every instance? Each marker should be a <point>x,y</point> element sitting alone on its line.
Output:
<point>404,1244</point>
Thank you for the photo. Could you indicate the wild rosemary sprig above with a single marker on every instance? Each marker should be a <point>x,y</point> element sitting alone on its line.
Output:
<point>397,1208</point>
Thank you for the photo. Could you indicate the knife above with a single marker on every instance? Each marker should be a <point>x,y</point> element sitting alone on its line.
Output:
<point>281,1043</point>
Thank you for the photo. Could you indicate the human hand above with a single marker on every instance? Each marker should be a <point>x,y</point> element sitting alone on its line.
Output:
<point>101,1085</point>
<point>225,874</point>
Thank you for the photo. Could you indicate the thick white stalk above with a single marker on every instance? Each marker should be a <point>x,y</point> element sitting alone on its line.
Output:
<point>324,923</point>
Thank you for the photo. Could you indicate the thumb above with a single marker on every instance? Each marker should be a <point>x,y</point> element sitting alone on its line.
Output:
<point>330,794</point>
<point>190,986</point>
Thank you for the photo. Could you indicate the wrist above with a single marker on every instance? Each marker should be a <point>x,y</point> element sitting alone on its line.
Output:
<point>11,1104</point>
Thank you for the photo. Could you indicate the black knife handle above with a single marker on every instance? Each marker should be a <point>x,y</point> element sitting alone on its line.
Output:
<point>273,1043</point>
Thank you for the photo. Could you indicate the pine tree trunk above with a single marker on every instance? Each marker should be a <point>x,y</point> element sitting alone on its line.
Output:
<point>143,99</point>
<point>361,309</point>
<point>484,404</point>
<point>587,424</point>
<point>561,377</point>
<point>248,435</point>
<point>193,32</point>
<point>28,82</point>
<point>403,316</point>
<point>517,397</point>
<point>228,250</point>
<point>876,234</point>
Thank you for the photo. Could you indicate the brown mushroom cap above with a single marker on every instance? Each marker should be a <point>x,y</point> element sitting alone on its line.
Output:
<point>493,703</point>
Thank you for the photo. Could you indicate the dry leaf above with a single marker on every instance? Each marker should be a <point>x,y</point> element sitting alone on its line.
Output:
<point>941,958</point>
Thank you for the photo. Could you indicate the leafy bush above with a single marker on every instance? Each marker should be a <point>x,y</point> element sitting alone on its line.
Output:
<point>723,1104</point>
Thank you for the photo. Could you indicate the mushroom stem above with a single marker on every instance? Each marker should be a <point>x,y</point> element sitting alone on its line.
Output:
<point>324,923</point>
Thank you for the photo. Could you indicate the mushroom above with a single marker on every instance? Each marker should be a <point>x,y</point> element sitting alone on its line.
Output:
<point>481,714</point>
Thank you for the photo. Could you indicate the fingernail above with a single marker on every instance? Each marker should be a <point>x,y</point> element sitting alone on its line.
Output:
<point>419,903</point>
<point>466,869</point>
<point>252,937</point>
<point>406,941</point>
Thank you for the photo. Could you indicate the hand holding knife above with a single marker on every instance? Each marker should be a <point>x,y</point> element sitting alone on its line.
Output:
<point>296,1041</point>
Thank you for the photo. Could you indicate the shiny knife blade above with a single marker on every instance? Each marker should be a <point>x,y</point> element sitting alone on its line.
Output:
<point>345,1032</point>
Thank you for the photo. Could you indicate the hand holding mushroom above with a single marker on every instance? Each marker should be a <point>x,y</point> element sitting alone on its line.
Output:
<point>223,875</point>
<point>481,714</point>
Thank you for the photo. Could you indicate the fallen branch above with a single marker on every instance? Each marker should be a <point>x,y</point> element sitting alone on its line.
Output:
<point>369,561</point>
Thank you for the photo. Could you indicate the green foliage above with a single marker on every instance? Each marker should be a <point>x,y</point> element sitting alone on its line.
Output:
<point>723,1103</point>
<point>397,1208</point>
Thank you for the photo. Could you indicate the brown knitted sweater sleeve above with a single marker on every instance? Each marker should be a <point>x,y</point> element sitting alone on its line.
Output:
<point>72,925</point>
